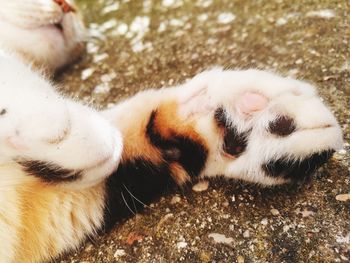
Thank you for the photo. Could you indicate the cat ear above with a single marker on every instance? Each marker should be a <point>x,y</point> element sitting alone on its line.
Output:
<point>251,102</point>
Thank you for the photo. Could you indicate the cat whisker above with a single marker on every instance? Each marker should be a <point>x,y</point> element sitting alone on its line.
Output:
<point>138,200</point>
<point>126,203</point>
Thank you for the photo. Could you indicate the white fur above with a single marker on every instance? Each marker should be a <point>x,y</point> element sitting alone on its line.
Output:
<point>28,28</point>
<point>39,124</point>
<point>317,129</point>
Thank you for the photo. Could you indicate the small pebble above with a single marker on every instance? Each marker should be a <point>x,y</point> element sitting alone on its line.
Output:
<point>343,197</point>
<point>324,13</point>
<point>119,253</point>
<point>264,221</point>
<point>275,212</point>
<point>286,228</point>
<point>200,186</point>
<point>175,199</point>
<point>240,259</point>
<point>226,18</point>
<point>220,238</point>
<point>181,244</point>
<point>246,234</point>
<point>86,73</point>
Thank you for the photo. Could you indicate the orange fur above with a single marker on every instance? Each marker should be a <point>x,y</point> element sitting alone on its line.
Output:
<point>168,113</point>
<point>52,218</point>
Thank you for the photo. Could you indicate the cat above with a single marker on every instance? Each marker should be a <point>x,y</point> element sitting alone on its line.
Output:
<point>60,178</point>
<point>68,172</point>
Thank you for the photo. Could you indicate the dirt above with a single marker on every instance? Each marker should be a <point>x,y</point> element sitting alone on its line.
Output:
<point>135,45</point>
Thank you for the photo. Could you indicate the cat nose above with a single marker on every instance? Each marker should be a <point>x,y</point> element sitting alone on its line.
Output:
<point>282,126</point>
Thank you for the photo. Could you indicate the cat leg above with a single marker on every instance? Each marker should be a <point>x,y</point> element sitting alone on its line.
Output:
<point>51,137</point>
<point>251,125</point>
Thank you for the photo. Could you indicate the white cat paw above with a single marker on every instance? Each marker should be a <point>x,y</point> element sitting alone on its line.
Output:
<point>260,127</point>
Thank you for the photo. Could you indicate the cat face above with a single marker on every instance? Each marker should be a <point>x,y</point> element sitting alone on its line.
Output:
<point>260,127</point>
<point>49,34</point>
<point>51,137</point>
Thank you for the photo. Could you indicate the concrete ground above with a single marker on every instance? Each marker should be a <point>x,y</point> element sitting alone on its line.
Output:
<point>136,45</point>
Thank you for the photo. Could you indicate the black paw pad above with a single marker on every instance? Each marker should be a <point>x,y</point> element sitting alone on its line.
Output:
<point>235,142</point>
<point>282,126</point>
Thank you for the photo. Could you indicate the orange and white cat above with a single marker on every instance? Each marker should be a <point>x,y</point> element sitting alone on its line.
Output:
<point>68,172</point>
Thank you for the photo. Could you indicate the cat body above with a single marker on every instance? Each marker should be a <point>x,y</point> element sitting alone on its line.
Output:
<point>63,183</point>
<point>51,147</point>
<point>68,172</point>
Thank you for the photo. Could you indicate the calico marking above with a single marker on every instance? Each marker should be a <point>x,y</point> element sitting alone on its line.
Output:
<point>139,181</point>
<point>190,154</point>
<point>49,172</point>
<point>235,142</point>
<point>294,169</point>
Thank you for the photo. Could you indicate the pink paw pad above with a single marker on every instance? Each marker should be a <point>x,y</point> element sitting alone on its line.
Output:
<point>251,102</point>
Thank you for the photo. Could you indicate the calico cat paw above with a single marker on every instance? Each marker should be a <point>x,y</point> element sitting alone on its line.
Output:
<point>48,34</point>
<point>52,138</point>
<point>258,126</point>
<point>250,125</point>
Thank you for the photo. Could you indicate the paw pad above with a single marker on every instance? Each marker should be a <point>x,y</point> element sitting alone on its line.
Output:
<point>235,142</point>
<point>282,126</point>
<point>251,102</point>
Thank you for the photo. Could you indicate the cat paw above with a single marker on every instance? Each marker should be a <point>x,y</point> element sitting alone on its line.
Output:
<point>250,125</point>
<point>258,126</point>
<point>52,138</point>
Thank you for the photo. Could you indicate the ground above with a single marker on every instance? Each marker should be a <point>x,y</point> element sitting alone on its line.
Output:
<point>135,45</point>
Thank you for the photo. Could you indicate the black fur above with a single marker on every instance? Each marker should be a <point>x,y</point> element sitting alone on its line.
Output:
<point>296,170</point>
<point>49,172</point>
<point>235,142</point>
<point>282,126</point>
<point>140,181</point>
<point>191,155</point>
<point>220,117</point>
<point>134,184</point>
